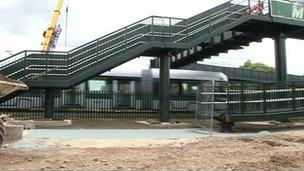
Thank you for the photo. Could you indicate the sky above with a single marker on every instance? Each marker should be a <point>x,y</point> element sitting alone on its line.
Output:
<point>23,22</point>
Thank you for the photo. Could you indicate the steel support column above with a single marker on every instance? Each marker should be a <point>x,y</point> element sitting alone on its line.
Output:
<point>49,103</point>
<point>164,89</point>
<point>280,57</point>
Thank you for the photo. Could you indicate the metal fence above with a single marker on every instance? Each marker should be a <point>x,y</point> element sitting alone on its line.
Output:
<point>101,105</point>
<point>241,98</point>
<point>265,98</point>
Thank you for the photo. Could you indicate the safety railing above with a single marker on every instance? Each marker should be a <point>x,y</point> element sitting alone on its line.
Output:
<point>243,74</point>
<point>250,99</point>
<point>265,98</point>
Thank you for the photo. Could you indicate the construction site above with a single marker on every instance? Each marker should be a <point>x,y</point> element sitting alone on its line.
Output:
<point>149,96</point>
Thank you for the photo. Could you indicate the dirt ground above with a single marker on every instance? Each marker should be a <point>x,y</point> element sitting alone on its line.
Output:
<point>283,150</point>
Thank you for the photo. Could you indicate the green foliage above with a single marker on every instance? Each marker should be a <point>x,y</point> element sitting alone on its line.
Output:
<point>258,67</point>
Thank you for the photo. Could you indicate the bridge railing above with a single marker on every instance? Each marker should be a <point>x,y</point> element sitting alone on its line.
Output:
<point>21,65</point>
<point>265,98</point>
<point>241,74</point>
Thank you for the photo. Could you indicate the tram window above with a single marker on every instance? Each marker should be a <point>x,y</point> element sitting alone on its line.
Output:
<point>185,87</point>
<point>137,86</point>
<point>124,86</point>
<point>194,88</point>
<point>189,88</point>
<point>174,88</point>
<point>100,85</point>
<point>155,87</point>
<point>178,88</point>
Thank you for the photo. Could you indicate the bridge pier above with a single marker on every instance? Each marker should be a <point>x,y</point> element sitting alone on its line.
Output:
<point>49,103</point>
<point>164,88</point>
<point>280,57</point>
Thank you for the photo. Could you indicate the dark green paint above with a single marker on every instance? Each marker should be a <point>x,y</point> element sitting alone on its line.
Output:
<point>49,103</point>
<point>280,57</point>
<point>164,88</point>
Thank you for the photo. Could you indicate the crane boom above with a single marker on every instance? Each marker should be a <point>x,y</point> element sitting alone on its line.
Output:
<point>50,33</point>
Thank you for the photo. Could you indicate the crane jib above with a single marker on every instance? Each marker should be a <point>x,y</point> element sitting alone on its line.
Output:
<point>50,34</point>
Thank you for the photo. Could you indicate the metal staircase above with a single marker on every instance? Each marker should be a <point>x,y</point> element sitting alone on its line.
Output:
<point>209,33</point>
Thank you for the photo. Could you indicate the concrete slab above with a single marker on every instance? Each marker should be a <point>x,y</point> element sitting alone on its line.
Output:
<point>52,124</point>
<point>166,125</point>
<point>27,124</point>
<point>14,132</point>
<point>272,123</point>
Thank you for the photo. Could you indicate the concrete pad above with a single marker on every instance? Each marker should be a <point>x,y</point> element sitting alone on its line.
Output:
<point>272,123</point>
<point>51,124</point>
<point>14,132</point>
<point>162,125</point>
<point>27,124</point>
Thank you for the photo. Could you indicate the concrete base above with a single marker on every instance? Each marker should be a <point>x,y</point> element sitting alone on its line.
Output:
<point>166,125</point>
<point>29,124</point>
<point>50,124</point>
<point>272,123</point>
<point>14,132</point>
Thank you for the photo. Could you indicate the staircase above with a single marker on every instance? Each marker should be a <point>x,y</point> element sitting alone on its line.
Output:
<point>201,36</point>
<point>217,33</point>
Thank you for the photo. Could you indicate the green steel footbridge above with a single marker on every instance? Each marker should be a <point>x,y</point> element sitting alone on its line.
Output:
<point>176,42</point>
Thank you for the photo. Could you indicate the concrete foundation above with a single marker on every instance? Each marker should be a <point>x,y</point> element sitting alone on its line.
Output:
<point>29,124</point>
<point>14,132</point>
<point>166,125</point>
<point>50,124</point>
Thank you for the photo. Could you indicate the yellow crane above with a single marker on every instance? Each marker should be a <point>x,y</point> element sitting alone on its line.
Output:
<point>51,32</point>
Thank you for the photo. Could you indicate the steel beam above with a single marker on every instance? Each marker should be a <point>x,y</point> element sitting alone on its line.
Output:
<point>280,57</point>
<point>49,103</point>
<point>164,88</point>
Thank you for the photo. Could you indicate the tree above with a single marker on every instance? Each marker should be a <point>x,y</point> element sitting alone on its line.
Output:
<point>258,67</point>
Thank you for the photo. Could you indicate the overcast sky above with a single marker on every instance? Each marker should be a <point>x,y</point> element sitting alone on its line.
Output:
<point>23,22</point>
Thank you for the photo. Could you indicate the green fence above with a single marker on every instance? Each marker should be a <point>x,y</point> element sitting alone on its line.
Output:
<point>243,99</point>
<point>265,98</point>
<point>100,105</point>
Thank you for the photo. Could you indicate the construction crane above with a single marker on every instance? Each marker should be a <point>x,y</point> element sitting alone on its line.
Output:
<point>52,33</point>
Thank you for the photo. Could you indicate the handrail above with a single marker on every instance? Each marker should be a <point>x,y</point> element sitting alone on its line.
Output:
<point>211,16</point>
<point>9,57</point>
<point>227,70</point>
<point>122,29</point>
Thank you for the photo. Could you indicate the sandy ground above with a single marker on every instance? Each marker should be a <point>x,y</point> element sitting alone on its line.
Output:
<point>279,151</point>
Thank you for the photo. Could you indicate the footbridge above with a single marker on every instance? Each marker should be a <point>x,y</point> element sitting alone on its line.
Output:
<point>177,42</point>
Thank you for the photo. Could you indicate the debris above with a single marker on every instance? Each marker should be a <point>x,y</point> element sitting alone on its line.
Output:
<point>272,143</point>
<point>264,133</point>
<point>28,158</point>
<point>154,122</point>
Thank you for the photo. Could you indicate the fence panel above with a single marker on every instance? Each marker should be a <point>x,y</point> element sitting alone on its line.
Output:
<point>99,105</point>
